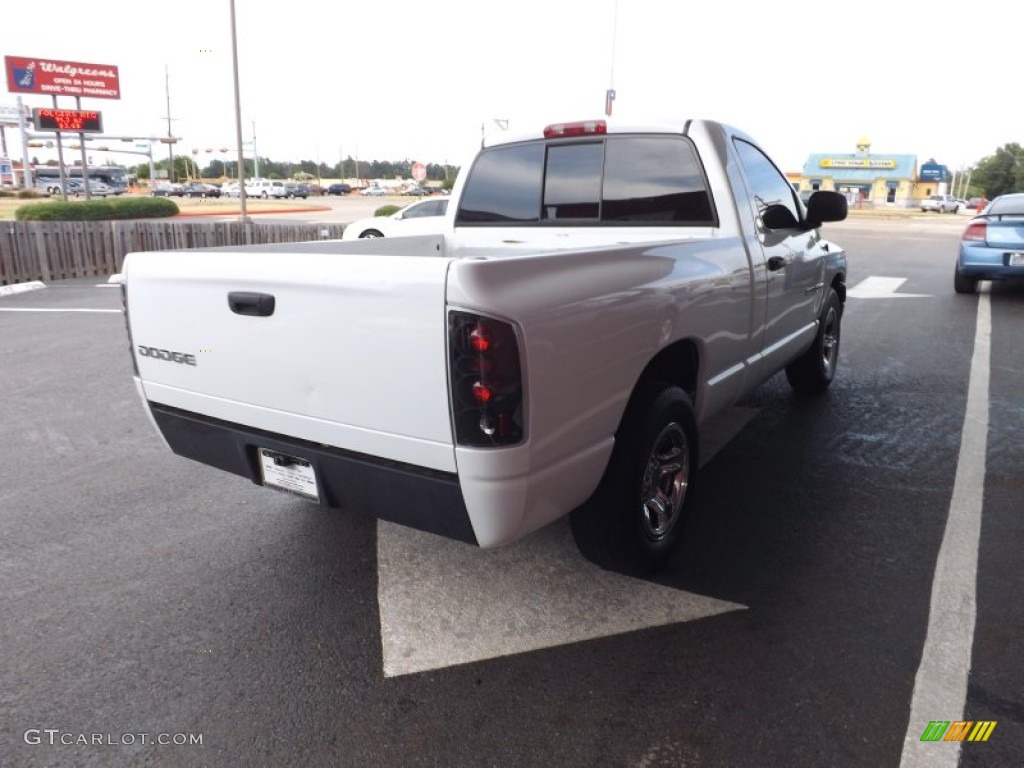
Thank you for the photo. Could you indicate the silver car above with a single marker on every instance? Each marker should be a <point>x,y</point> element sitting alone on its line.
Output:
<point>96,188</point>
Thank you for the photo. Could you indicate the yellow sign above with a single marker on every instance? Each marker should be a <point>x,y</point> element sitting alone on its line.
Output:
<point>857,162</point>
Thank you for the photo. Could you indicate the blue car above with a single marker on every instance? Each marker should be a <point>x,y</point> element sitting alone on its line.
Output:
<point>992,246</point>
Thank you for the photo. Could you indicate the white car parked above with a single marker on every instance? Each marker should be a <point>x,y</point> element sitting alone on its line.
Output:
<point>426,217</point>
<point>265,188</point>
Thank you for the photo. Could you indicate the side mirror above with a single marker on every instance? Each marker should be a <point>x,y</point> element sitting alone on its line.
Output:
<point>825,206</point>
<point>778,217</point>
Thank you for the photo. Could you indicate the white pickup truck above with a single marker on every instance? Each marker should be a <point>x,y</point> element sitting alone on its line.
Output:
<point>598,292</point>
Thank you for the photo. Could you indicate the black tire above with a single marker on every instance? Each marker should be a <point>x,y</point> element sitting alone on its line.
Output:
<point>964,284</point>
<point>371,233</point>
<point>813,371</point>
<point>634,520</point>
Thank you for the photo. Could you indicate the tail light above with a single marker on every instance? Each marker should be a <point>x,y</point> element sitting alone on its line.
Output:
<point>584,128</point>
<point>976,230</point>
<point>486,380</point>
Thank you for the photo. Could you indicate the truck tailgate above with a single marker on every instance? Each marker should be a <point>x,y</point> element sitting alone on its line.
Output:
<point>352,355</point>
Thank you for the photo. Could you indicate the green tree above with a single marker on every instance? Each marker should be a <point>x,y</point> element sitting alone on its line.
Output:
<point>1000,173</point>
<point>182,167</point>
<point>214,170</point>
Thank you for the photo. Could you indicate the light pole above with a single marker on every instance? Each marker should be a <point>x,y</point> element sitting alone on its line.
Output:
<point>255,153</point>
<point>238,124</point>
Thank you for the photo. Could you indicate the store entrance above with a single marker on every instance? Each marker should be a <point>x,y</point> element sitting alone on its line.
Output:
<point>855,193</point>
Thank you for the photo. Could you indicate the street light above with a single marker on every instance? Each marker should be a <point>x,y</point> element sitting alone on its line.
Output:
<point>238,122</point>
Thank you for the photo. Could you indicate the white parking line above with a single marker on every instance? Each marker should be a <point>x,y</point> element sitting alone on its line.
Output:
<point>10,290</point>
<point>40,309</point>
<point>940,689</point>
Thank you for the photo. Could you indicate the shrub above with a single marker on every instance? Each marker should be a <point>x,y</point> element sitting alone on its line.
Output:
<point>387,210</point>
<point>26,194</point>
<point>99,210</point>
<point>58,210</point>
<point>143,207</point>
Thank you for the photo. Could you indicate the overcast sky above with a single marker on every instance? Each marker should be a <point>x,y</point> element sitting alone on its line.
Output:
<point>397,79</point>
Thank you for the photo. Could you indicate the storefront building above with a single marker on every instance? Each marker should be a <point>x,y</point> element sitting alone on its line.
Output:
<point>866,179</point>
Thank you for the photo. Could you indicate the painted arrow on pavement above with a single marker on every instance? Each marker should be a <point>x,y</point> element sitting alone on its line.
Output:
<point>882,288</point>
<point>444,603</point>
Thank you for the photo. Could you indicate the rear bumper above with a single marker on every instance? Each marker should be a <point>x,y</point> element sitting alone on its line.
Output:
<point>426,499</point>
<point>987,263</point>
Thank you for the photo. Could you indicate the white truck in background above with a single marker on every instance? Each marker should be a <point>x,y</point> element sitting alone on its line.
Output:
<point>597,293</point>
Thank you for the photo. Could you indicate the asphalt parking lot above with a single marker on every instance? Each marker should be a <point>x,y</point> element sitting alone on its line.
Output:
<point>144,595</point>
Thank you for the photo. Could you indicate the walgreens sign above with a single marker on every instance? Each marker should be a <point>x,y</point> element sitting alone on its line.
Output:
<point>61,78</point>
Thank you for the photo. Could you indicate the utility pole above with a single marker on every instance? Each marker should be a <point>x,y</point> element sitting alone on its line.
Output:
<point>60,164</point>
<point>81,142</point>
<point>26,170</point>
<point>238,124</point>
<point>255,153</point>
<point>170,135</point>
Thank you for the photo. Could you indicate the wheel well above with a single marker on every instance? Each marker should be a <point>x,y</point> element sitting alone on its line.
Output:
<point>839,286</point>
<point>678,363</point>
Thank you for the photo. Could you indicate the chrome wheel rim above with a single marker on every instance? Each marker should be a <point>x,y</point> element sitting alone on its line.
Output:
<point>665,482</point>
<point>830,340</point>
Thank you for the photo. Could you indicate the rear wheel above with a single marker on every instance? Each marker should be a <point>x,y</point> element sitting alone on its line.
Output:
<point>814,370</point>
<point>635,518</point>
<point>372,233</point>
<point>964,284</point>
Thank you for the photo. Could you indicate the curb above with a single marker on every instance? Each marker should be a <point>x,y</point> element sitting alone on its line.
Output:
<point>250,213</point>
<point>7,290</point>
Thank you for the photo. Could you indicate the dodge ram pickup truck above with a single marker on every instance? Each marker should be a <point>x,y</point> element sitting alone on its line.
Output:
<point>596,293</point>
<point>940,204</point>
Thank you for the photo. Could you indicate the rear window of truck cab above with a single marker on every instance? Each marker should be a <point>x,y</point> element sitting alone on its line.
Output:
<point>625,180</point>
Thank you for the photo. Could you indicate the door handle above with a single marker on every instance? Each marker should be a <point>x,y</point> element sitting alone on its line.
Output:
<point>253,304</point>
<point>775,263</point>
